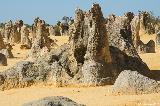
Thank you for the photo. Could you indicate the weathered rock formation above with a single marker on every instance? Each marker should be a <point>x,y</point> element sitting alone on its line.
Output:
<point>25,41</point>
<point>141,24</point>
<point>135,27</point>
<point>57,31</point>
<point>151,46</point>
<point>123,53</point>
<point>9,51</point>
<point>33,29</point>
<point>3,60</point>
<point>64,29</point>
<point>53,101</point>
<point>18,76</point>
<point>51,30</point>
<point>2,45</point>
<point>137,79</point>
<point>97,60</point>
<point>16,32</point>
<point>146,48</point>
<point>85,60</point>
<point>5,48</point>
<point>146,24</point>
<point>7,31</point>
<point>94,47</point>
<point>133,82</point>
<point>41,39</point>
<point>141,47</point>
<point>158,38</point>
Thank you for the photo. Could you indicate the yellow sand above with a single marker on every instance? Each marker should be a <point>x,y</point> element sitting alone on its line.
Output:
<point>152,59</point>
<point>97,96</point>
<point>19,55</point>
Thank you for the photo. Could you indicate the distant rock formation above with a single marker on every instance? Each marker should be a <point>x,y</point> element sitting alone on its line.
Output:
<point>5,48</point>
<point>151,47</point>
<point>146,24</point>
<point>16,32</point>
<point>158,38</point>
<point>25,41</point>
<point>51,30</point>
<point>2,45</point>
<point>141,24</point>
<point>41,39</point>
<point>3,60</point>
<point>64,29</point>
<point>7,31</point>
<point>146,48</point>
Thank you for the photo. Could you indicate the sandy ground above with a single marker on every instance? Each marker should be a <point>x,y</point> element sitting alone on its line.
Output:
<point>18,54</point>
<point>97,96</point>
<point>60,40</point>
<point>152,59</point>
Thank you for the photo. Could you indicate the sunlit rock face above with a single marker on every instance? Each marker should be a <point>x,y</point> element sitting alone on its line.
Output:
<point>40,41</point>
<point>16,32</point>
<point>25,41</point>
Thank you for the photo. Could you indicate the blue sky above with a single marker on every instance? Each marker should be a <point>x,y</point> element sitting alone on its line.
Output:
<point>53,10</point>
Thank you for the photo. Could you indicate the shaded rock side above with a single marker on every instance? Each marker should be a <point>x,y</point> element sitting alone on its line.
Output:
<point>123,53</point>
<point>146,48</point>
<point>7,51</point>
<point>2,45</point>
<point>3,60</point>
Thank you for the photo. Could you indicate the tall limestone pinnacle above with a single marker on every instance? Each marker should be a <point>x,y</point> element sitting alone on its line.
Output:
<point>98,46</point>
<point>97,59</point>
<point>89,44</point>
<point>25,41</point>
<point>41,43</point>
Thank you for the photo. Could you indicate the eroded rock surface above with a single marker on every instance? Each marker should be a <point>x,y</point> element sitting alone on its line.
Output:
<point>7,31</point>
<point>133,82</point>
<point>5,48</point>
<point>2,45</point>
<point>53,101</point>
<point>97,60</point>
<point>97,52</point>
<point>3,60</point>
<point>25,41</point>
<point>146,48</point>
<point>16,32</point>
<point>41,39</point>
<point>123,53</point>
